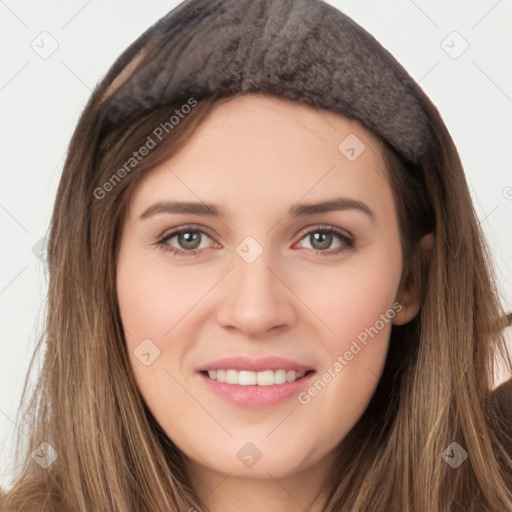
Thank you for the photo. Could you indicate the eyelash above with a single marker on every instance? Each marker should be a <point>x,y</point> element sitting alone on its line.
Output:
<point>347,242</point>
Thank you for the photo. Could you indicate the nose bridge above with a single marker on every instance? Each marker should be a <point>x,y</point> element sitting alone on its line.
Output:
<point>256,300</point>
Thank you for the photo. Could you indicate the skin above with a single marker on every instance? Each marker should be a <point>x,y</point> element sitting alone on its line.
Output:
<point>255,157</point>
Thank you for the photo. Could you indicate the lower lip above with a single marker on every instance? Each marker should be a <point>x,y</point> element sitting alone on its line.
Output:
<point>257,396</point>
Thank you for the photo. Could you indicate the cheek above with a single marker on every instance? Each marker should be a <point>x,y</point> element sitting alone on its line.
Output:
<point>153,298</point>
<point>351,299</point>
<point>152,302</point>
<point>357,304</point>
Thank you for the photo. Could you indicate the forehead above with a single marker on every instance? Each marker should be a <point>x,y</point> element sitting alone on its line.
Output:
<point>258,148</point>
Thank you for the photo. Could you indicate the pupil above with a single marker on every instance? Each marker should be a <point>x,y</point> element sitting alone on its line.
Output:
<point>189,240</point>
<point>322,239</point>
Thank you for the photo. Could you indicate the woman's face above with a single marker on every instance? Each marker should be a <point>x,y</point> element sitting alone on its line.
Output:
<point>266,287</point>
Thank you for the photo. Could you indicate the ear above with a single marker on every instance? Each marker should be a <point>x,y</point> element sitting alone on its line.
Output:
<point>410,295</point>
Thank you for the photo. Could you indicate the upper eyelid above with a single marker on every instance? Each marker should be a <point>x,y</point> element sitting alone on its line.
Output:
<point>324,227</point>
<point>191,227</point>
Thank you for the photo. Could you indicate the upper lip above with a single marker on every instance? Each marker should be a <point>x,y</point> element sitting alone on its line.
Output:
<point>255,365</point>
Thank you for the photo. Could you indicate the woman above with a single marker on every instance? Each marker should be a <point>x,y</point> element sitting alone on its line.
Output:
<point>268,286</point>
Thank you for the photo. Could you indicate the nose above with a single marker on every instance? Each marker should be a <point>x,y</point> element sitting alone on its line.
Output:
<point>257,299</point>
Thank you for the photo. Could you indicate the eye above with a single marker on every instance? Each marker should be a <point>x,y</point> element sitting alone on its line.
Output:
<point>190,241</point>
<point>186,241</point>
<point>321,239</point>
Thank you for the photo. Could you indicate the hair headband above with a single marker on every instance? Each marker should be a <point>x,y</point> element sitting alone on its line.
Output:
<point>303,50</point>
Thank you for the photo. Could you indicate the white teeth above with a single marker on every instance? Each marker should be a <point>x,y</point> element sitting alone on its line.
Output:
<point>231,376</point>
<point>266,378</point>
<point>247,378</point>
<point>280,377</point>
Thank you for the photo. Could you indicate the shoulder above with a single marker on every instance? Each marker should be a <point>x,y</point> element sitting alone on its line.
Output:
<point>502,397</point>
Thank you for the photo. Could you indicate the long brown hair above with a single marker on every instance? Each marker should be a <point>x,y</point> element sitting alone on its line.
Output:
<point>435,388</point>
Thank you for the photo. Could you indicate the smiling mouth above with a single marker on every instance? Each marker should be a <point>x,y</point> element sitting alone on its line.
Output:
<point>250,378</point>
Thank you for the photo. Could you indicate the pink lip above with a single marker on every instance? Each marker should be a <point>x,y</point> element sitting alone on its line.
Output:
<point>255,365</point>
<point>257,396</point>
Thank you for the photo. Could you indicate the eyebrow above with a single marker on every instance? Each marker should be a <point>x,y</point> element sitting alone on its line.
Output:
<point>298,210</point>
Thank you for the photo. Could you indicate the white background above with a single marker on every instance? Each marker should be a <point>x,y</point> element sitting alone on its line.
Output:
<point>41,99</point>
